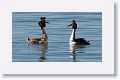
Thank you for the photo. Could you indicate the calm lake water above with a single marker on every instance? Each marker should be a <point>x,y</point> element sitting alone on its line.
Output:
<point>25,24</point>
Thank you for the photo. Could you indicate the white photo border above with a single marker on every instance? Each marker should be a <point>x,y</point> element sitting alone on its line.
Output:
<point>104,67</point>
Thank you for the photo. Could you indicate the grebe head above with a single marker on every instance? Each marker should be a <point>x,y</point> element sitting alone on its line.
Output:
<point>42,18</point>
<point>73,21</point>
<point>42,22</point>
<point>73,24</point>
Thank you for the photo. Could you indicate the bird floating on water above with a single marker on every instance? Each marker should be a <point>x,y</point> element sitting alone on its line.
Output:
<point>73,40</point>
<point>43,39</point>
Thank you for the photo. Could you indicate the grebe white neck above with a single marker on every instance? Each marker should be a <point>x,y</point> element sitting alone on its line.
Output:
<point>44,35</point>
<point>43,31</point>
<point>72,37</point>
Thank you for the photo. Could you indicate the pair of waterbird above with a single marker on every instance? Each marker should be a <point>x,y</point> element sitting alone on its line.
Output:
<point>43,39</point>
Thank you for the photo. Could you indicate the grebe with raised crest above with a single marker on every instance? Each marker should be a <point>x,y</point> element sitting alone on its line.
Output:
<point>44,37</point>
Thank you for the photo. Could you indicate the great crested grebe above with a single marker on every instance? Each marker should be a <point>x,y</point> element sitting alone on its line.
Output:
<point>78,41</point>
<point>44,37</point>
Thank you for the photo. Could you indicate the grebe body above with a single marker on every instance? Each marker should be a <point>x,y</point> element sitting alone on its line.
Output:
<point>73,40</point>
<point>41,40</point>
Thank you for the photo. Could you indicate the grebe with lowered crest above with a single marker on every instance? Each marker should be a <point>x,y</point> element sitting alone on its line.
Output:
<point>78,41</point>
<point>44,37</point>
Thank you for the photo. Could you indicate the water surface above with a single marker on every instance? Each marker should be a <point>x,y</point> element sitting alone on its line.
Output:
<point>25,24</point>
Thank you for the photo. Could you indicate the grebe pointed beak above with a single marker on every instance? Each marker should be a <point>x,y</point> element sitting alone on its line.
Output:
<point>69,26</point>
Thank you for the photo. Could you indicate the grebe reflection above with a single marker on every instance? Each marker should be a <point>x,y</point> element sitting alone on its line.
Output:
<point>43,50</point>
<point>74,52</point>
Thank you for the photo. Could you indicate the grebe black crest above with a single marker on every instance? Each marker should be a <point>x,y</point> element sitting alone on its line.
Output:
<point>42,22</point>
<point>78,41</point>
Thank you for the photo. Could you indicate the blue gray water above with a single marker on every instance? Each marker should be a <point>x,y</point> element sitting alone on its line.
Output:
<point>25,24</point>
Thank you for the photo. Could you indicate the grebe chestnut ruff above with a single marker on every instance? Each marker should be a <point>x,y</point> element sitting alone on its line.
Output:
<point>78,41</point>
<point>44,37</point>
